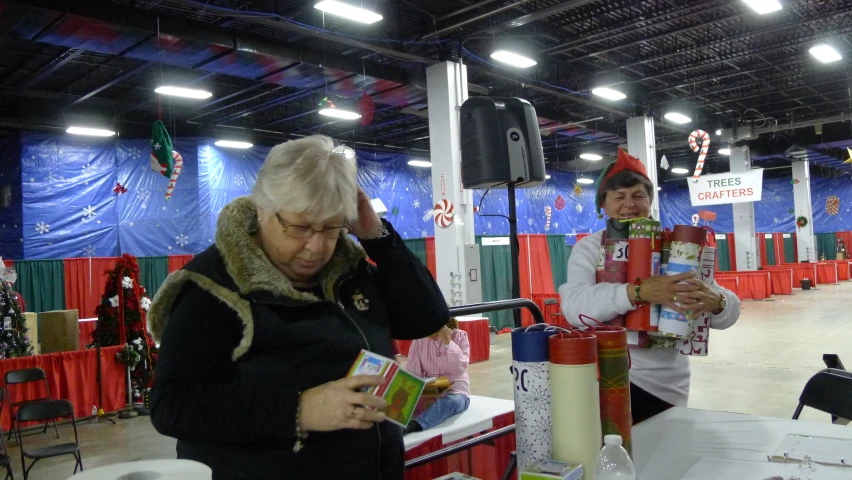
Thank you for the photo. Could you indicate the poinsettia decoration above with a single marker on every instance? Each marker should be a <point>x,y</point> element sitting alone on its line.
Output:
<point>121,321</point>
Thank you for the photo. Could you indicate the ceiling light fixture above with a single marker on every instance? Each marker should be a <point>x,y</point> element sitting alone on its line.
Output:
<point>594,157</point>
<point>724,151</point>
<point>232,144</point>
<point>608,93</point>
<point>350,12</point>
<point>719,131</point>
<point>677,117</point>
<point>764,6</point>
<point>547,176</point>
<point>679,170</point>
<point>183,92</point>
<point>825,53</point>
<point>513,59</point>
<point>585,181</point>
<point>420,163</point>
<point>91,132</point>
<point>339,113</point>
<point>659,188</point>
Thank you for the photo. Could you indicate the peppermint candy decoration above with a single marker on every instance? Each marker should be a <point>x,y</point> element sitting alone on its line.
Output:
<point>547,213</point>
<point>444,213</point>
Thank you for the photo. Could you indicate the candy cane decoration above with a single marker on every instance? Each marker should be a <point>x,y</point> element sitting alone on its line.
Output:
<point>547,213</point>
<point>705,145</point>
<point>444,213</point>
<point>175,174</point>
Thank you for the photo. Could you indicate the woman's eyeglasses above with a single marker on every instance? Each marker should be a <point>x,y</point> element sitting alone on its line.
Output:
<point>304,231</point>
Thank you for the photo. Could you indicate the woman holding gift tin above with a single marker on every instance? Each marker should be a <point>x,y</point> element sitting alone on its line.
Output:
<point>659,377</point>
<point>259,331</point>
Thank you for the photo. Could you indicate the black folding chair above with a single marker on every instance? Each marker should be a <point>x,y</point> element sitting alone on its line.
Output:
<point>830,391</point>
<point>27,375</point>
<point>5,459</point>
<point>42,412</point>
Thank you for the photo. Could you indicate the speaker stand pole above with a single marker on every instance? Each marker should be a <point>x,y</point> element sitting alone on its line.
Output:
<point>129,411</point>
<point>515,249</point>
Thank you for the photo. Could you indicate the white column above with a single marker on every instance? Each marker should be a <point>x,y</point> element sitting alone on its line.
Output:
<point>446,87</point>
<point>641,144</point>
<point>744,229</point>
<point>805,240</point>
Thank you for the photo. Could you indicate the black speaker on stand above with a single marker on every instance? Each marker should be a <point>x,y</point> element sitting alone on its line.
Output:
<point>501,148</point>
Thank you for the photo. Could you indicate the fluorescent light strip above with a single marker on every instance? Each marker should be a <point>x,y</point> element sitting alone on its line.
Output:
<point>825,53</point>
<point>420,163</point>
<point>585,181</point>
<point>338,113</point>
<point>232,144</point>
<point>349,12</point>
<point>594,157</point>
<point>513,59</point>
<point>608,93</point>
<point>677,117</point>
<point>680,170</point>
<point>547,176</point>
<point>764,6</point>
<point>183,92</point>
<point>91,132</point>
<point>724,151</point>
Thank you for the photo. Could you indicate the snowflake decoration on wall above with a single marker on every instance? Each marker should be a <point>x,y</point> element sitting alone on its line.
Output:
<point>42,228</point>
<point>52,177</point>
<point>89,251</point>
<point>556,225</point>
<point>143,196</point>
<point>538,399</point>
<point>240,181</point>
<point>383,185</point>
<point>424,233</point>
<point>88,214</point>
<point>579,208</point>
<point>530,221</point>
<point>181,240</point>
<point>776,221</point>
<point>488,225</point>
<point>416,203</point>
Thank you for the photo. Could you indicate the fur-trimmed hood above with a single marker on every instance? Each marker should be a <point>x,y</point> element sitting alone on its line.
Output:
<point>250,270</point>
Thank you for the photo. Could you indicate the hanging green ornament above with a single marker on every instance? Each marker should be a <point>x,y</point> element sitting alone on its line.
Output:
<point>395,211</point>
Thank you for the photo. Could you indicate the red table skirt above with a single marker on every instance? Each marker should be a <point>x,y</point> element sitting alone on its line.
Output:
<point>842,270</point>
<point>478,334</point>
<point>826,273</point>
<point>752,285</point>
<point>782,281</point>
<point>800,271</point>
<point>488,460</point>
<point>729,283</point>
<point>72,376</point>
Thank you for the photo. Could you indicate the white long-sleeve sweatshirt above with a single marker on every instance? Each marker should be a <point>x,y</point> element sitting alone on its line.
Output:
<point>662,372</point>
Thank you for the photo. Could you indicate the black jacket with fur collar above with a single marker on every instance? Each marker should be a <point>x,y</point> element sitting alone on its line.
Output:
<point>239,342</point>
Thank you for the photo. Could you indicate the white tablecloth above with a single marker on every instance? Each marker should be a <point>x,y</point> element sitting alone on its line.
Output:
<point>684,443</point>
<point>478,417</point>
<point>148,469</point>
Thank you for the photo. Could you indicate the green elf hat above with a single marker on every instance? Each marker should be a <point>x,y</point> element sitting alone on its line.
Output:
<point>162,160</point>
<point>625,161</point>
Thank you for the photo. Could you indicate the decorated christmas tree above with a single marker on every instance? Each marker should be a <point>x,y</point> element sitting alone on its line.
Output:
<point>14,336</point>
<point>121,321</point>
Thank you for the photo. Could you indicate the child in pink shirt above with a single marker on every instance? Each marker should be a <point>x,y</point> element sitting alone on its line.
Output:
<point>445,353</point>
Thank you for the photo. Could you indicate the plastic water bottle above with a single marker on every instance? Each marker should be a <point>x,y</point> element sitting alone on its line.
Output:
<point>94,414</point>
<point>614,463</point>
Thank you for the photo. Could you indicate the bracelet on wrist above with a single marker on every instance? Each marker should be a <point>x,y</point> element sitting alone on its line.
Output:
<point>637,284</point>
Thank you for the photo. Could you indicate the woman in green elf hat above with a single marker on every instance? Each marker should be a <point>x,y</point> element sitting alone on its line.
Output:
<point>258,332</point>
<point>659,377</point>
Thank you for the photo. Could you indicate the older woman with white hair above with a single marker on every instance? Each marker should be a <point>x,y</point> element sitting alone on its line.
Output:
<point>259,331</point>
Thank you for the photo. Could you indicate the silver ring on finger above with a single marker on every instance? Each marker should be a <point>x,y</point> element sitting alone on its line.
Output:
<point>352,413</point>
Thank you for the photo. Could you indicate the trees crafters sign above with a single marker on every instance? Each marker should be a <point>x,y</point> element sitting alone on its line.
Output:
<point>727,188</point>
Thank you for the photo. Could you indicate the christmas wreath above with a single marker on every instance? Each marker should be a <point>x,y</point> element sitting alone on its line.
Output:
<point>128,356</point>
<point>801,222</point>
